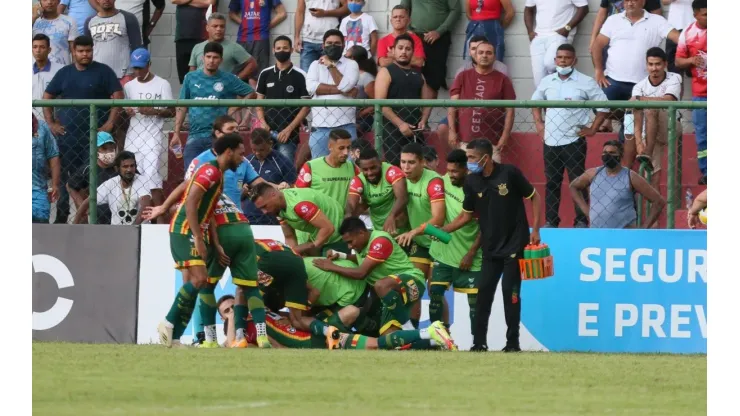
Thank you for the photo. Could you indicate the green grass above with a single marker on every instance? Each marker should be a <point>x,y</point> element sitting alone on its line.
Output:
<point>79,379</point>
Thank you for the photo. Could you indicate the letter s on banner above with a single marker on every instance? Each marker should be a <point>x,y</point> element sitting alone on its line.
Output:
<point>52,266</point>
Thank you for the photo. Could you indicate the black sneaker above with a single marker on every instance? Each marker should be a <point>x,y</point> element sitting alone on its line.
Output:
<point>514,348</point>
<point>479,348</point>
<point>200,337</point>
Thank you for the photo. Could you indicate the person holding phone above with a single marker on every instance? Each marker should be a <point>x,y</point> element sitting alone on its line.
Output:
<point>313,18</point>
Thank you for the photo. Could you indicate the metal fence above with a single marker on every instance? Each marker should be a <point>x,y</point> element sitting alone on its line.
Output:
<point>299,132</point>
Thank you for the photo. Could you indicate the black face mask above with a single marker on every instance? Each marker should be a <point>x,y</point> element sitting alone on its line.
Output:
<point>282,56</point>
<point>610,161</point>
<point>333,52</point>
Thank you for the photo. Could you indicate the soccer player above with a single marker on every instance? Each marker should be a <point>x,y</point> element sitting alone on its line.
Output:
<point>381,187</point>
<point>189,233</point>
<point>307,210</point>
<point>458,262</point>
<point>383,264</point>
<point>330,174</point>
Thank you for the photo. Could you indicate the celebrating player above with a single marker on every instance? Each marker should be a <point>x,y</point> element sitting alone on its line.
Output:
<point>189,233</point>
<point>330,174</point>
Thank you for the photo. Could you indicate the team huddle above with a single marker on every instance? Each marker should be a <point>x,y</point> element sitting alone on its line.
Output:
<point>344,286</point>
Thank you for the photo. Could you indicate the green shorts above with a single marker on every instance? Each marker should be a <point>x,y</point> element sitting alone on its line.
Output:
<point>463,281</point>
<point>411,291</point>
<point>238,243</point>
<point>419,254</point>
<point>184,252</point>
<point>286,272</point>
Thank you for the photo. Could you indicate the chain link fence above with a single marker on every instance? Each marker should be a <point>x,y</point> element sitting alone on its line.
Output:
<point>553,143</point>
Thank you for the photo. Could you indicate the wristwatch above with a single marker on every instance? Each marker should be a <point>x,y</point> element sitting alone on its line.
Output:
<point>568,28</point>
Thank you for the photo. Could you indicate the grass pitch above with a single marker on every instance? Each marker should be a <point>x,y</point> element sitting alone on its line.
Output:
<point>78,379</point>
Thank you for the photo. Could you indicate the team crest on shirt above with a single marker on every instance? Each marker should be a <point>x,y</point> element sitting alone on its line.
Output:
<point>437,188</point>
<point>304,209</point>
<point>502,190</point>
<point>480,194</point>
<point>218,87</point>
<point>264,279</point>
<point>289,89</point>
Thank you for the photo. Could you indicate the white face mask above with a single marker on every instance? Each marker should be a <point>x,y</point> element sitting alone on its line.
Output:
<point>564,70</point>
<point>107,158</point>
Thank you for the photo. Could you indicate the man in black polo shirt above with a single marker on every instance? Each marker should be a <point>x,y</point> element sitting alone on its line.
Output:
<point>495,193</point>
<point>282,81</point>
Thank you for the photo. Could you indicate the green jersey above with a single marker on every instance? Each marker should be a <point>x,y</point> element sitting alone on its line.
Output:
<point>209,177</point>
<point>333,182</point>
<point>380,197</point>
<point>303,205</point>
<point>382,248</point>
<point>333,288</point>
<point>452,253</point>
<point>429,188</point>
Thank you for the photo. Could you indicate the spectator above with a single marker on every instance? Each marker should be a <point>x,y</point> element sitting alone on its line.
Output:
<point>85,79</point>
<point>612,189</point>
<point>115,33</point>
<point>400,80</point>
<point>609,8</point>
<point>233,56</point>
<point>651,126</point>
<point>469,63</point>
<point>145,136</point>
<point>485,19</point>
<point>45,165</point>
<point>629,35</point>
<point>692,54</point>
<point>400,23</point>
<point>141,9</point>
<point>365,87</point>
<point>255,22</point>
<point>564,131</point>
<point>481,83</point>
<point>359,28</point>
<point>272,166</point>
<point>680,15</point>
<point>282,81</point>
<point>78,185</point>
<point>61,30</point>
<point>43,70</point>
<point>207,83</point>
<point>550,23</point>
<point>78,10</point>
<point>126,194</point>
<point>190,30</point>
<point>357,147</point>
<point>430,158</point>
<point>332,77</point>
<point>313,18</point>
<point>433,21</point>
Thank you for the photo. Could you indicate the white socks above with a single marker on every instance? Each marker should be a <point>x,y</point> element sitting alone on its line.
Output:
<point>240,334</point>
<point>424,333</point>
<point>211,335</point>
<point>261,329</point>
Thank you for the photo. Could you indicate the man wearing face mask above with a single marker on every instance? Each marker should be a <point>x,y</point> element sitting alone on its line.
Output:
<point>565,130</point>
<point>612,189</point>
<point>78,184</point>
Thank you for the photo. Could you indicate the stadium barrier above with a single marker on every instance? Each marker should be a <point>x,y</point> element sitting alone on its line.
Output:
<point>488,119</point>
<point>622,291</point>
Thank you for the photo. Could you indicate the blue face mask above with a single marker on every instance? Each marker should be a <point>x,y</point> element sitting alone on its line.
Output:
<point>475,167</point>
<point>355,7</point>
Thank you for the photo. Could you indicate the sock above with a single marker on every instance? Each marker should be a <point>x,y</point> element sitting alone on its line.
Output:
<point>182,309</point>
<point>393,302</point>
<point>336,322</point>
<point>240,323</point>
<point>318,328</point>
<point>436,299</point>
<point>472,297</point>
<point>355,342</point>
<point>208,311</point>
<point>421,344</point>
<point>198,326</point>
<point>424,333</point>
<point>257,308</point>
<point>397,339</point>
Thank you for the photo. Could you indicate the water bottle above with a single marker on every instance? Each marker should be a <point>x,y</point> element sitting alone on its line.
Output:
<point>629,122</point>
<point>689,198</point>
<point>177,150</point>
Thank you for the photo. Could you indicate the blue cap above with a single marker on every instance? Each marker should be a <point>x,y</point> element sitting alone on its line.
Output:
<point>104,137</point>
<point>140,58</point>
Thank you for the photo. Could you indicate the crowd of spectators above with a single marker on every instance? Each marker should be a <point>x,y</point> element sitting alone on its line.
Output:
<point>97,49</point>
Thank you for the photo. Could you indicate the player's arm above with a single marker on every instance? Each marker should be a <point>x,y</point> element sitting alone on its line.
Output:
<point>467,212</point>
<point>289,234</point>
<point>380,249</point>
<point>326,230</point>
<point>354,197</point>
<point>313,294</point>
<point>401,198</point>
<point>467,260</point>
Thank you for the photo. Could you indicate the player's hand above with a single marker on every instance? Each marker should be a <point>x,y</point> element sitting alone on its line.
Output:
<point>467,262</point>
<point>283,185</point>
<point>54,194</point>
<point>331,254</point>
<point>200,245</point>
<point>151,213</point>
<point>431,37</point>
<point>389,225</point>
<point>406,239</point>
<point>57,129</point>
<point>284,135</point>
<point>534,237</point>
<point>323,264</point>
<point>405,129</point>
<point>223,259</point>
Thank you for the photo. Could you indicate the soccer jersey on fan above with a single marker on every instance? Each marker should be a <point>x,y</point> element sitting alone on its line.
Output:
<point>256,16</point>
<point>379,198</point>
<point>303,205</point>
<point>208,177</point>
<point>233,180</point>
<point>429,188</point>
<point>382,248</point>
<point>452,253</point>
<point>317,174</point>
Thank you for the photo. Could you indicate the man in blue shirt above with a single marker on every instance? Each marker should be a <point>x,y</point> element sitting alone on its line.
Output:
<point>85,79</point>
<point>79,10</point>
<point>45,161</point>
<point>565,129</point>
<point>208,83</point>
<point>273,167</point>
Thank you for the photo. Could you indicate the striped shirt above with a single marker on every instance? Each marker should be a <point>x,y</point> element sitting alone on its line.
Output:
<point>256,16</point>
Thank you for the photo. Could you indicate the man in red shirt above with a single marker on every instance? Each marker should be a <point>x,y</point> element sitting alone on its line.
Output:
<point>692,54</point>
<point>481,83</point>
<point>400,22</point>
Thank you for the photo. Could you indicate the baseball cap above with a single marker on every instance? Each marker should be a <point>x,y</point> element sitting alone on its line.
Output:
<point>104,137</point>
<point>140,58</point>
<point>430,153</point>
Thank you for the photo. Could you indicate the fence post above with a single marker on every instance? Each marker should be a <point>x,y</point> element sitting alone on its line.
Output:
<point>92,213</point>
<point>378,129</point>
<point>671,219</point>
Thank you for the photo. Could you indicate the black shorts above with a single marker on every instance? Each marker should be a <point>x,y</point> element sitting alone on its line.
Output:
<point>435,66</point>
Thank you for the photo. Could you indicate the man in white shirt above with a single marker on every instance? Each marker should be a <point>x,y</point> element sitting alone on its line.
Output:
<point>43,69</point>
<point>651,126</point>
<point>60,28</point>
<point>145,135</point>
<point>550,23</point>
<point>332,77</point>
<point>312,19</point>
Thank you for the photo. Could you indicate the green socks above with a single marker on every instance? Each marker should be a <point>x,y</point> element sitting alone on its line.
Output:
<point>208,312</point>
<point>255,304</point>
<point>472,298</point>
<point>317,328</point>
<point>393,302</point>
<point>397,339</point>
<point>436,299</point>
<point>182,309</point>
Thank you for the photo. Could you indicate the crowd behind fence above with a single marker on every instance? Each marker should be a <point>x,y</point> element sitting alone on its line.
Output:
<point>146,129</point>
